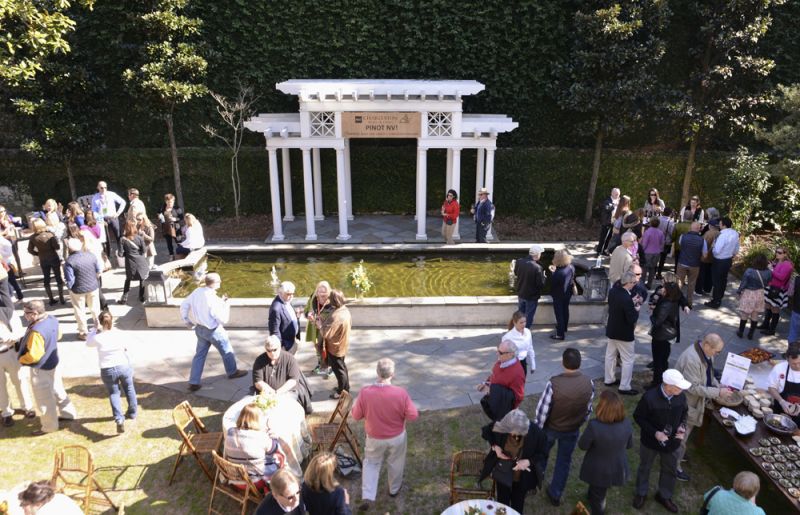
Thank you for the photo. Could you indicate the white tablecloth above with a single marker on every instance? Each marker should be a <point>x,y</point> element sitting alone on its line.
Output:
<point>488,507</point>
<point>286,420</point>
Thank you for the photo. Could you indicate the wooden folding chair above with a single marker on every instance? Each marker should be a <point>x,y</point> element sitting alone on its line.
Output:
<point>73,475</point>
<point>195,442</point>
<point>228,473</point>
<point>464,473</point>
<point>325,436</point>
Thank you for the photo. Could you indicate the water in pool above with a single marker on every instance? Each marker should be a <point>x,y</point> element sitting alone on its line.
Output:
<point>393,274</point>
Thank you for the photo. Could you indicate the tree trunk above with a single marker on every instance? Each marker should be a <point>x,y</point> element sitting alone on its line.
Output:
<point>687,176</point>
<point>598,150</point>
<point>176,169</point>
<point>73,191</point>
<point>235,183</point>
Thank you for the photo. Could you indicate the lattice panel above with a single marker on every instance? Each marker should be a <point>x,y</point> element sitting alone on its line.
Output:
<point>440,124</point>
<point>323,125</point>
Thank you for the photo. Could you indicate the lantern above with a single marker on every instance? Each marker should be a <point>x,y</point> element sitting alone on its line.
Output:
<point>596,284</point>
<point>155,287</point>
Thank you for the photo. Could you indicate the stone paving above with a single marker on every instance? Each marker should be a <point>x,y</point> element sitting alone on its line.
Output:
<point>439,366</point>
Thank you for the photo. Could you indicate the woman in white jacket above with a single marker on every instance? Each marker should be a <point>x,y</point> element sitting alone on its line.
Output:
<point>521,336</point>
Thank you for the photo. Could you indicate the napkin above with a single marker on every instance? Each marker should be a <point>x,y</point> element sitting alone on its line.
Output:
<point>729,413</point>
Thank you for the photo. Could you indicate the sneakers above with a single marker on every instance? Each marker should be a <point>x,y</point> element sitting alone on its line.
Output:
<point>317,371</point>
<point>682,475</point>
<point>237,374</point>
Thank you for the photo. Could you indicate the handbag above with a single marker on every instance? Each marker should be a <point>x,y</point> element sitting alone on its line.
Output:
<point>712,493</point>
<point>503,472</point>
<point>774,293</point>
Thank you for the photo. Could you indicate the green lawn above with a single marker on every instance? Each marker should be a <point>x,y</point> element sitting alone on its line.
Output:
<point>135,466</point>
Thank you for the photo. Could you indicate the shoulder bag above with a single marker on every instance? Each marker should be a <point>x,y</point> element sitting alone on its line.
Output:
<point>712,493</point>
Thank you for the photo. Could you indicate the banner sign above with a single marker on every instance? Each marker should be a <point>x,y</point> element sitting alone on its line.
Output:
<point>370,124</point>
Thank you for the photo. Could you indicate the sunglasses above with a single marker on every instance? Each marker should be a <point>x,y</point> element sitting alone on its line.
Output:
<point>503,352</point>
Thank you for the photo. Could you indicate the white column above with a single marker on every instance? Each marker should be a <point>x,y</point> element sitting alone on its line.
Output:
<point>448,177</point>
<point>317,166</point>
<point>479,171</point>
<point>456,182</point>
<point>287,185</point>
<point>341,195</point>
<point>490,184</point>
<point>275,195</point>
<point>308,193</point>
<point>348,180</point>
<point>422,181</point>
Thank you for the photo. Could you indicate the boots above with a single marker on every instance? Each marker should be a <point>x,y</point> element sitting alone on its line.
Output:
<point>767,317</point>
<point>141,293</point>
<point>61,294</point>
<point>742,325</point>
<point>50,294</point>
<point>123,299</point>
<point>773,324</point>
<point>753,326</point>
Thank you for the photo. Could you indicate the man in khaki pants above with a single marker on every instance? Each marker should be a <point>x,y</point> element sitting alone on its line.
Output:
<point>385,409</point>
<point>693,249</point>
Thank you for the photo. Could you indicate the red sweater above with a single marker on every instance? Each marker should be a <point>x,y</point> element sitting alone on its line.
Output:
<point>512,377</point>
<point>385,410</point>
<point>451,210</point>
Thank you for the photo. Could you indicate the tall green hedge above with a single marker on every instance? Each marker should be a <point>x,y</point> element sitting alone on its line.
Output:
<point>533,182</point>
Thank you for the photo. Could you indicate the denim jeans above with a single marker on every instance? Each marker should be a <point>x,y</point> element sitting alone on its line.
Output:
<point>113,378</point>
<point>206,338</point>
<point>529,308</point>
<point>566,446</point>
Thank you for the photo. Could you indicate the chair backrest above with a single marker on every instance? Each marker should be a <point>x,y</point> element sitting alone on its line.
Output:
<point>183,416</point>
<point>235,473</point>
<point>467,463</point>
<point>73,473</point>
<point>342,408</point>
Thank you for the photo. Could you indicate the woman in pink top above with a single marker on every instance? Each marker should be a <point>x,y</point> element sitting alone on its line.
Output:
<point>652,245</point>
<point>776,293</point>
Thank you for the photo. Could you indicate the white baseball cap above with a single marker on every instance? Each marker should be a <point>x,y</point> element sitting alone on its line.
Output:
<point>675,378</point>
<point>536,249</point>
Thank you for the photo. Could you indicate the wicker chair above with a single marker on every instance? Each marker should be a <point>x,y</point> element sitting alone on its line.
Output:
<point>325,436</point>
<point>464,473</point>
<point>196,442</point>
<point>73,475</point>
<point>227,473</point>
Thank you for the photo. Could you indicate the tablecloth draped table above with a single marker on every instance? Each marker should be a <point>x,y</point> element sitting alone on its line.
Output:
<point>286,420</point>
<point>487,506</point>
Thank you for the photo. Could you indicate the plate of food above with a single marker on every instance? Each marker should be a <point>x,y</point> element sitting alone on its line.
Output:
<point>756,451</point>
<point>764,442</point>
<point>756,355</point>
<point>774,474</point>
<point>780,424</point>
<point>767,466</point>
<point>735,399</point>
<point>794,492</point>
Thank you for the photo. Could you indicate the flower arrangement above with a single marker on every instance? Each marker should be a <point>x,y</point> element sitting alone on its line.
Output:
<point>266,401</point>
<point>359,278</point>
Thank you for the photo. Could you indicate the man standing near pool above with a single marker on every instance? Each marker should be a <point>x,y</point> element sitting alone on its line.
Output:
<point>282,320</point>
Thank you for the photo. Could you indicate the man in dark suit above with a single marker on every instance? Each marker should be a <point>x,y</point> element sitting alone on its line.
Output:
<point>607,209</point>
<point>283,319</point>
<point>623,313</point>
<point>530,280</point>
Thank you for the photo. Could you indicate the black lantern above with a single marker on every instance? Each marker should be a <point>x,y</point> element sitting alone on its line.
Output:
<point>155,287</point>
<point>596,284</point>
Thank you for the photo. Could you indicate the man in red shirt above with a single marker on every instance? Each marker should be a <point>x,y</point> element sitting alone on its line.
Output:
<point>385,409</point>
<point>505,386</point>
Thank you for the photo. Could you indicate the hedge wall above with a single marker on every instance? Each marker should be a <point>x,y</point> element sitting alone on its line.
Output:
<point>534,182</point>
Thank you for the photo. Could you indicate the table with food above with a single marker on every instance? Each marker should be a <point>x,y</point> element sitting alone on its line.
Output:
<point>770,441</point>
<point>285,419</point>
<point>479,507</point>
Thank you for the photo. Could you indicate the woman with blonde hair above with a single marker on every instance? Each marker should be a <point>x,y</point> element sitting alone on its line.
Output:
<point>148,233</point>
<point>336,338</point>
<point>193,237</point>
<point>561,288</point>
<point>317,311</point>
<point>136,266</point>
<point>739,500</point>
<point>44,244</point>
<point>322,494</point>
<point>250,445</point>
<point>606,440</point>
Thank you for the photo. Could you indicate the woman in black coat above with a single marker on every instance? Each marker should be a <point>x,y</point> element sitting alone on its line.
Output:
<point>665,326</point>
<point>136,265</point>
<point>519,445</point>
<point>606,440</point>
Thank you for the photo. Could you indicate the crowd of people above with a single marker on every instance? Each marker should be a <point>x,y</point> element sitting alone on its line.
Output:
<point>75,248</point>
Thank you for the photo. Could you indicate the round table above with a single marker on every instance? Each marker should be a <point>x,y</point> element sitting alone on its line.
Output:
<point>487,507</point>
<point>286,420</point>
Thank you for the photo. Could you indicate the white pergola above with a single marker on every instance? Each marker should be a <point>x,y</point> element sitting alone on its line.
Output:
<point>334,111</point>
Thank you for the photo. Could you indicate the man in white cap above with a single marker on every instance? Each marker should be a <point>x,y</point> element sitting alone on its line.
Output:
<point>483,212</point>
<point>661,415</point>
<point>529,283</point>
<point>81,270</point>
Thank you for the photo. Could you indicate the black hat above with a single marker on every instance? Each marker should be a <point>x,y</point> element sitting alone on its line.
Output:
<point>793,350</point>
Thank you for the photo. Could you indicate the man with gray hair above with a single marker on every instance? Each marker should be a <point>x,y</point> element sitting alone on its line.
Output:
<point>623,313</point>
<point>206,313</point>
<point>385,409</point>
<point>505,386</point>
<point>81,270</point>
<point>621,258</point>
<point>282,321</point>
<point>38,349</point>
<point>529,283</point>
<point>607,209</point>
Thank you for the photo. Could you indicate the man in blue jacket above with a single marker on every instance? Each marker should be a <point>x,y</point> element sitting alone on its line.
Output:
<point>483,212</point>
<point>282,320</point>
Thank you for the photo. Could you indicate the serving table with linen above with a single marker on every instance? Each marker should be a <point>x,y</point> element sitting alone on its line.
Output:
<point>286,420</point>
<point>479,507</point>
